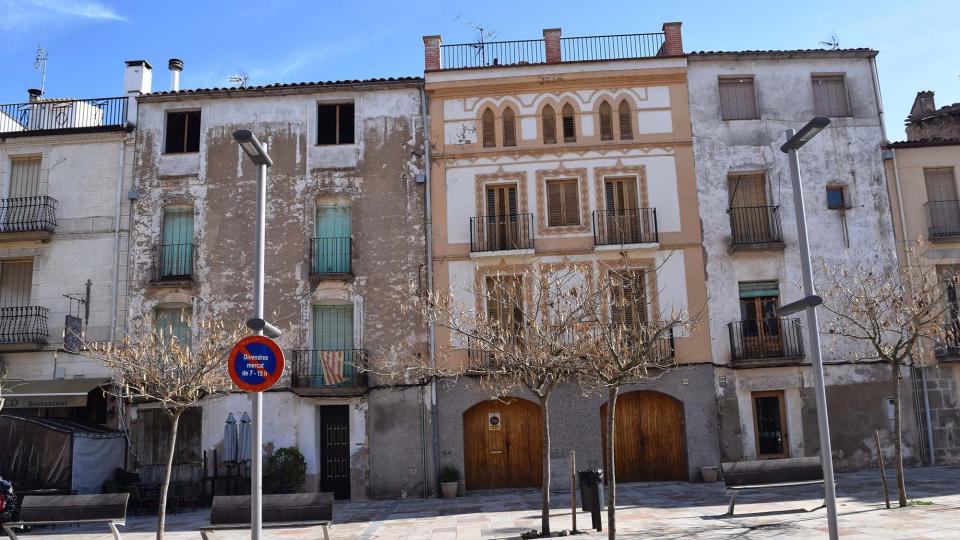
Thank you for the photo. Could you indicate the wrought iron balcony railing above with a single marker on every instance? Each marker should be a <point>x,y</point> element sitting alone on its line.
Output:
<point>63,115</point>
<point>26,324</point>
<point>943,219</point>
<point>329,368</point>
<point>331,256</point>
<point>173,262</point>
<point>625,226</point>
<point>766,338</point>
<point>28,214</point>
<point>755,226</point>
<point>501,233</point>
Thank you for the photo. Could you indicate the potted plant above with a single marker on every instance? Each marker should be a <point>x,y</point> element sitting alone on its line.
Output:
<point>287,469</point>
<point>449,481</point>
<point>709,474</point>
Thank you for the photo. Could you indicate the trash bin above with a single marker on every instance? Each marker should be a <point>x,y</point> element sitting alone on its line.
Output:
<point>591,494</point>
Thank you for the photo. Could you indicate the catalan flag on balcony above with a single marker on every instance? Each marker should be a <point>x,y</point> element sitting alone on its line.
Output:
<point>331,364</point>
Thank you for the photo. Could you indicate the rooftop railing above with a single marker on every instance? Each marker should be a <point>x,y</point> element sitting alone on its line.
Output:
<point>62,115</point>
<point>616,47</point>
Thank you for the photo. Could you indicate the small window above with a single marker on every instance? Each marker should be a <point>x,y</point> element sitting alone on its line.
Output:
<point>738,99</point>
<point>335,123</point>
<point>626,120</point>
<point>830,96</point>
<point>183,132</point>
<point>509,128</point>
<point>563,207</point>
<point>488,134</point>
<point>837,198</point>
<point>549,125</point>
<point>606,122</point>
<point>569,124</point>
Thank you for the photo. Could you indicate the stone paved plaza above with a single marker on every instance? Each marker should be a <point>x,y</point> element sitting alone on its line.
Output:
<point>667,510</point>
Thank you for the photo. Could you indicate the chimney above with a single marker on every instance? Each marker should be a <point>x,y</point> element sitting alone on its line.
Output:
<point>34,94</point>
<point>672,40</point>
<point>923,103</point>
<point>137,79</point>
<point>431,53</point>
<point>551,45</point>
<point>176,66</point>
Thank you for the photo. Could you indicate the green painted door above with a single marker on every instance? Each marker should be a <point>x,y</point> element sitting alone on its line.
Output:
<point>331,243</point>
<point>176,250</point>
<point>333,356</point>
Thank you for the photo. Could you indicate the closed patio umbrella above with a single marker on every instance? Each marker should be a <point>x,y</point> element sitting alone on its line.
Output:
<point>230,439</point>
<point>244,439</point>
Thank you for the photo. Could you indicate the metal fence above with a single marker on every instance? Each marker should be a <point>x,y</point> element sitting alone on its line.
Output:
<point>625,226</point>
<point>27,324</point>
<point>331,256</point>
<point>754,225</point>
<point>63,115</point>
<point>766,338</point>
<point>173,262</point>
<point>25,214</point>
<point>615,47</point>
<point>329,368</point>
<point>943,218</point>
<point>532,51</point>
<point>501,233</point>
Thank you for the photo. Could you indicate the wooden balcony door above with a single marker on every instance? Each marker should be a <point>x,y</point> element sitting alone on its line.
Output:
<point>16,283</point>
<point>24,182</point>
<point>332,232</point>
<point>943,205</point>
<point>503,226</point>
<point>333,355</point>
<point>761,328</point>
<point>751,223</point>
<point>623,227</point>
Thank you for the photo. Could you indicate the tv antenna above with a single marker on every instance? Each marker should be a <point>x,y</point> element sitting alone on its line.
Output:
<point>483,35</point>
<point>40,64</point>
<point>833,44</point>
<point>240,79</point>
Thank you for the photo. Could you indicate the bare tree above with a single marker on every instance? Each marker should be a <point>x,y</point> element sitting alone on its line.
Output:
<point>890,316</point>
<point>171,367</point>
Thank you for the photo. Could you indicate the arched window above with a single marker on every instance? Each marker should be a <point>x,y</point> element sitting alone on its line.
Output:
<point>569,124</point>
<point>606,122</point>
<point>487,130</point>
<point>626,120</point>
<point>549,126</point>
<point>509,128</point>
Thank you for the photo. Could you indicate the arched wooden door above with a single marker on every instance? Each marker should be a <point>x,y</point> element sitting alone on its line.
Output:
<point>502,444</point>
<point>650,437</point>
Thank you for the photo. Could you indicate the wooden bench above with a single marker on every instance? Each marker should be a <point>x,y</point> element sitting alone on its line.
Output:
<point>279,512</point>
<point>770,474</point>
<point>35,511</point>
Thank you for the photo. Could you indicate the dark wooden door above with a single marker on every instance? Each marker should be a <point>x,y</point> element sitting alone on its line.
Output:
<point>623,227</point>
<point>650,437</point>
<point>335,450</point>
<point>761,328</point>
<point>506,453</point>
<point>503,230</point>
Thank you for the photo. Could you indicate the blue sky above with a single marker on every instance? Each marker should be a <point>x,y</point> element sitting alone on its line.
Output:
<point>292,40</point>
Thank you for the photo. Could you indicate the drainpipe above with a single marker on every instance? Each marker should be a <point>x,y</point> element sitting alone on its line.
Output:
<point>424,108</point>
<point>116,241</point>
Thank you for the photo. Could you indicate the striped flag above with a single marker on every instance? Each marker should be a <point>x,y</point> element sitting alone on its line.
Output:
<point>331,362</point>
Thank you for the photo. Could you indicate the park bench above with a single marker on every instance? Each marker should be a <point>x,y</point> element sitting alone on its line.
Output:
<point>279,512</point>
<point>36,511</point>
<point>769,474</point>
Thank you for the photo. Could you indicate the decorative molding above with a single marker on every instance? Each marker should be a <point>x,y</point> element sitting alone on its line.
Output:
<point>649,267</point>
<point>500,177</point>
<point>582,190</point>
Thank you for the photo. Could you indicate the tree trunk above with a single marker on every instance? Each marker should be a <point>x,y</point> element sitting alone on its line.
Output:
<point>545,485</point>
<point>165,486</point>
<point>611,464</point>
<point>897,442</point>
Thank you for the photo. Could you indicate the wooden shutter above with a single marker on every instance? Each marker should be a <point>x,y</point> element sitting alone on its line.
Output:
<point>489,136</point>
<point>333,327</point>
<point>571,204</point>
<point>562,203</point>
<point>16,281</point>
<point>505,300</point>
<point>626,120</point>
<point>175,322</point>
<point>738,99</point>
<point>554,203</point>
<point>830,96</point>
<point>24,178</point>
<point>940,184</point>
<point>628,297</point>
<point>747,190</point>
<point>569,124</point>
<point>621,194</point>
<point>509,128</point>
<point>606,122</point>
<point>549,125</point>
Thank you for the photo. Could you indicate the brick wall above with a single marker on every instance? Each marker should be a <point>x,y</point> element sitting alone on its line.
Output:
<point>673,40</point>
<point>551,45</point>
<point>431,53</point>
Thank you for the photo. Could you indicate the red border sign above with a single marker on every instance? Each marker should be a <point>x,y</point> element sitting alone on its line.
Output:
<point>255,363</point>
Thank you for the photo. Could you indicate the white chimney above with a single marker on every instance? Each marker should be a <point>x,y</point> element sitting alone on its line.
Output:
<point>137,79</point>
<point>176,66</point>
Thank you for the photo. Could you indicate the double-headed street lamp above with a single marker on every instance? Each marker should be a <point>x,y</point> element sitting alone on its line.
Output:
<point>258,154</point>
<point>795,140</point>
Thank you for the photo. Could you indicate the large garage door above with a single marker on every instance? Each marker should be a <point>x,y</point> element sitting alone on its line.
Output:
<point>650,440</point>
<point>502,445</point>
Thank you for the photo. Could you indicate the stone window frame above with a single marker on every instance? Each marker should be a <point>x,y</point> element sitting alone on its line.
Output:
<point>562,173</point>
<point>481,273</point>
<point>481,181</point>
<point>639,172</point>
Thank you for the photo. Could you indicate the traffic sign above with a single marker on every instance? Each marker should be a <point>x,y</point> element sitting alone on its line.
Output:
<point>255,363</point>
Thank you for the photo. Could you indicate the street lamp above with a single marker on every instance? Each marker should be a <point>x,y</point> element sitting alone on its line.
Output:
<point>795,140</point>
<point>258,155</point>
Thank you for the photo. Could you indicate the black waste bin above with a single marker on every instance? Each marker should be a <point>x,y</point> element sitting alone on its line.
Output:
<point>591,494</point>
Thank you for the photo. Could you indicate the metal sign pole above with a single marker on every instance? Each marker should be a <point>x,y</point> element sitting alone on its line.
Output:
<point>256,470</point>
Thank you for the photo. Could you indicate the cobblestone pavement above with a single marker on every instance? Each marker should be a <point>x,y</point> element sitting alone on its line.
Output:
<point>666,510</point>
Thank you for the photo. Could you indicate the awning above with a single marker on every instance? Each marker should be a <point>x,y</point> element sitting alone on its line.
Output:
<point>47,394</point>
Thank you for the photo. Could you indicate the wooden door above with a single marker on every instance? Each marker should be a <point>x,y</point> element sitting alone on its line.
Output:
<point>502,220</point>
<point>761,328</point>
<point>650,437</point>
<point>332,360</point>
<point>749,212</point>
<point>335,451</point>
<point>623,226</point>
<point>770,424</point>
<point>506,453</point>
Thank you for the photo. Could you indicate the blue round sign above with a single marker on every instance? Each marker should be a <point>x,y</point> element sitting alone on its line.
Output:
<point>255,363</point>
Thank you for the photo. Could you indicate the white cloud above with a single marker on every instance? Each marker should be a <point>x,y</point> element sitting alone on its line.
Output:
<point>20,15</point>
<point>86,9</point>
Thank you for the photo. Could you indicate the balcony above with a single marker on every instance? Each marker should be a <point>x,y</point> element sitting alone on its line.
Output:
<point>625,226</point>
<point>48,117</point>
<point>756,228</point>
<point>334,372</point>
<point>765,343</point>
<point>173,264</point>
<point>331,257</point>
<point>28,218</point>
<point>533,51</point>
<point>23,328</point>
<point>943,220</point>
<point>509,232</point>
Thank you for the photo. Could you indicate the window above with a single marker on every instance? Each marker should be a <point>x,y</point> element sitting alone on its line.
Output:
<point>943,208</point>
<point>335,356</point>
<point>24,179</point>
<point>738,99</point>
<point>940,184</point>
<point>606,122</point>
<point>509,128</point>
<point>504,227</point>
<point>176,248</point>
<point>628,302</point>
<point>563,207</point>
<point>332,241</point>
<point>183,132</point>
<point>569,124</point>
<point>335,123</point>
<point>505,302</point>
<point>626,120</point>
<point>830,95</point>
<point>174,323</point>
<point>759,323</point>
<point>16,282</point>
<point>487,130</point>
<point>549,125</point>
<point>837,198</point>
<point>770,424</point>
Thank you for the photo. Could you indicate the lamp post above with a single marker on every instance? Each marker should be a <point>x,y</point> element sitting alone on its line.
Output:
<point>258,155</point>
<point>795,140</point>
